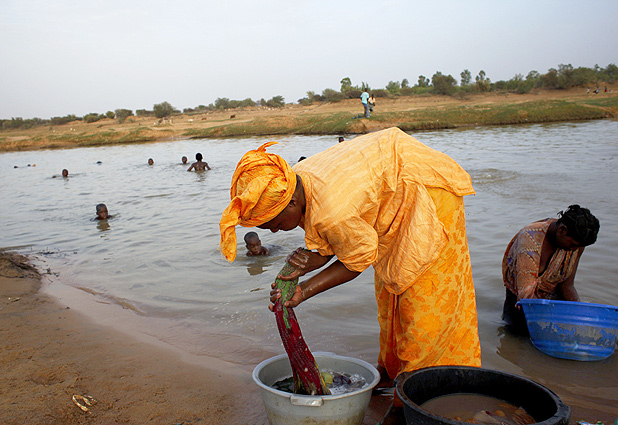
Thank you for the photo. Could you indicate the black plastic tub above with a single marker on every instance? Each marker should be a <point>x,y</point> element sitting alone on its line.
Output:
<point>417,387</point>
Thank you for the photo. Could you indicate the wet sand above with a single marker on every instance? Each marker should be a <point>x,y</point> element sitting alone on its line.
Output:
<point>51,353</point>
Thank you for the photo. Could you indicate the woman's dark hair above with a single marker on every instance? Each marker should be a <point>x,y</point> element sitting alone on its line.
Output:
<point>580,223</point>
<point>198,156</point>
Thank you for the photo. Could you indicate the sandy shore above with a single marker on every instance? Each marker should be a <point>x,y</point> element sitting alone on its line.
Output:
<point>50,353</point>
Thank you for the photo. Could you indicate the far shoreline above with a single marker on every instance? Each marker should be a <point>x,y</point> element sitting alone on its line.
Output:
<point>411,113</point>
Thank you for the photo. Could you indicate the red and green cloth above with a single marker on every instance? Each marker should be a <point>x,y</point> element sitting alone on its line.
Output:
<point>307,378</point>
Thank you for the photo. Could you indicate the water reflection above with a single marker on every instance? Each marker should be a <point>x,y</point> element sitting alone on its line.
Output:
<point>201,175</point>
<point>102,225</point>
<point>255,270</point>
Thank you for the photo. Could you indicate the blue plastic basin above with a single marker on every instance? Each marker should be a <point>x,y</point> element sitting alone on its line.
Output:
<point>572,330</point>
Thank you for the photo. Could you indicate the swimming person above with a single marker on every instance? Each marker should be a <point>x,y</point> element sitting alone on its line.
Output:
<point>254,245</point>
<point>150,161</point>
<point>386,201</point>
<point>541,261</point>
<point>184,159</point>
<point>65,173</point>
<point>199,165</point>
<point>102,213</point>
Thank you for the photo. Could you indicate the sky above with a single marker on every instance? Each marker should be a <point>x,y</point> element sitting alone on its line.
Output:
<point>63,57</point>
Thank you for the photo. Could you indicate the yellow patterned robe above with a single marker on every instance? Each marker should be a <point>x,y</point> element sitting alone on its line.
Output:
<point>388,201</point>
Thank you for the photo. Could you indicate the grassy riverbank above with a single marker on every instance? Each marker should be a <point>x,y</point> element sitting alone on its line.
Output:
<point>407,113</point>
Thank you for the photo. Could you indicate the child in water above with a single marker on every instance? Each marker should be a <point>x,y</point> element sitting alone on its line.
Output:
<point>199,165</point>
<point>102,213</point>
<point>65,174</point>
<point>254,245</point>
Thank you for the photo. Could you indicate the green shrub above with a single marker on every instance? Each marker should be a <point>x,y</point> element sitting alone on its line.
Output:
<point>13,123</point>
<point>92,117</point>
<point>393,87</point>
<point>123,114</point>
<point>276,102</point>
<point>63,120</point>
<point>466,78</point>
<point>379,93</point>
<point>163,109</point>
<point>443,84</point>
<point>331,95</point>
<point>353,93</point>
<point>483,84</point>
<point>144,113</point>
<point>423,81</point>
<point>609,74</point>
<point>550,79</point>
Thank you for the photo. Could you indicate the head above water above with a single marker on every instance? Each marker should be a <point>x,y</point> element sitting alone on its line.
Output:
<point>252,237</point>
<point>578,224</point>
<point>102,213</point>
<point>198,156</point>
<point>65,173</point>
<point>150,161</point>
<point>253,243</point>
<point>184,159</point>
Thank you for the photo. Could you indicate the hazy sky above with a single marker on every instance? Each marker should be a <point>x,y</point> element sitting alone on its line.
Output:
<point>60,57</point>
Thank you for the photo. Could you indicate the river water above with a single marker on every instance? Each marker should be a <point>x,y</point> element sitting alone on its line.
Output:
<point>158,259</point>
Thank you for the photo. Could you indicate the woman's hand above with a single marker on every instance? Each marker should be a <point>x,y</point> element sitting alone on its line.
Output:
<point>304,261</point>
<point>296,299</point>
<point>332,276</point>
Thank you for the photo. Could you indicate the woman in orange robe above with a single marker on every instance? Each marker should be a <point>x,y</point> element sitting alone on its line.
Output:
<point>383,200</point>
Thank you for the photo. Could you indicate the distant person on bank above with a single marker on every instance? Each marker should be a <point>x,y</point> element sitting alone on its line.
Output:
<point>541,261</point>
<point>364,100</point>
<point>371,102</point>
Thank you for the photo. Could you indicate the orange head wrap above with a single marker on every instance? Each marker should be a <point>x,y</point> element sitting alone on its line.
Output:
<point>262,187</point>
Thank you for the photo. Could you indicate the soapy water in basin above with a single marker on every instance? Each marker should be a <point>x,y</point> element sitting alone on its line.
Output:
<point>337,383</point>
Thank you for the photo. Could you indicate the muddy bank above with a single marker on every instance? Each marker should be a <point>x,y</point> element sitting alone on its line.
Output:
<point>49,354</point>
<point>55,360</point>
